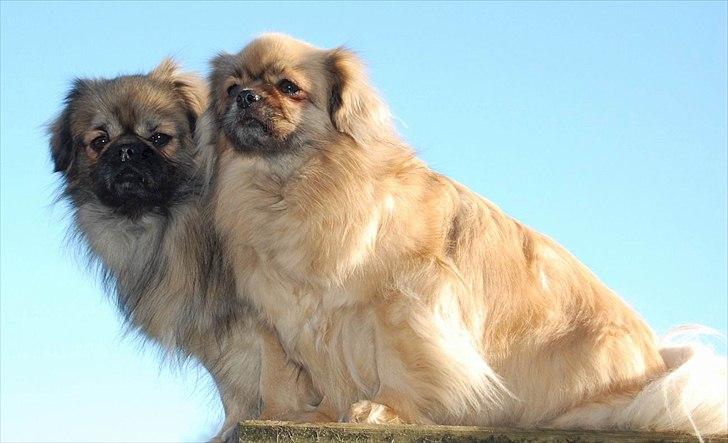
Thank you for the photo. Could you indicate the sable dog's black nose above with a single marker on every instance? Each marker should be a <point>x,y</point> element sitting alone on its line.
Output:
<point>246,97</point>
<point>128,152</point>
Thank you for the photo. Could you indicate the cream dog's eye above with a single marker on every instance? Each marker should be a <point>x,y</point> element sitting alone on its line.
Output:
<point>99,142</point>
<point>232,91</point>
<point>288,87</point>
<point>159,140</point>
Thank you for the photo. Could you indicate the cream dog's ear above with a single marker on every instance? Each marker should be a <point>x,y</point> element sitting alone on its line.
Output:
<point>354,105</point>
<point>191,88</point>
<point>222,66</point>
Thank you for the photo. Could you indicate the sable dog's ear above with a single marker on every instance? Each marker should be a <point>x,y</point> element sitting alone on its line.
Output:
<point>62,143</point>
<point>354,105</point>
<point>190,88</point>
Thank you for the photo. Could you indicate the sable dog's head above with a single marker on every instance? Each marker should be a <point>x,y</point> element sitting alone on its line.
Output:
<point>279,94</point>
<point>128,142</point>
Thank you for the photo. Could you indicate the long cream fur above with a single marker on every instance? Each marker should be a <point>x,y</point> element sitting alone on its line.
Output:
<point>410,298</point>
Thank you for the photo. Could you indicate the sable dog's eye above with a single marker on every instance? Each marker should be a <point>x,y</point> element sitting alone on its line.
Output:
<point>159,140</point>
<point>232,91</point>
<point>99,142</point>
<point>288,87</point>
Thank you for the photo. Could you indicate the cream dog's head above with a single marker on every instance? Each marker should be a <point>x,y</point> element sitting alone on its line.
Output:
<point>279,95</point>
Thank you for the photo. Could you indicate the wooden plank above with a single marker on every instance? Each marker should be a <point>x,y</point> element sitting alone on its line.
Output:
<point>272,431</point>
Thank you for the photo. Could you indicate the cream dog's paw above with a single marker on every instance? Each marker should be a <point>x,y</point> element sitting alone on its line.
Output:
<point>228,433</point>
<point>365,411</point>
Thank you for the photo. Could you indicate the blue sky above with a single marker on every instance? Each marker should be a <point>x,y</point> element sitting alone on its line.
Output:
<point>602,125</point>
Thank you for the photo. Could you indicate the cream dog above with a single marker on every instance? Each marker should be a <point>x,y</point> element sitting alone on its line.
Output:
<point>406,296</point>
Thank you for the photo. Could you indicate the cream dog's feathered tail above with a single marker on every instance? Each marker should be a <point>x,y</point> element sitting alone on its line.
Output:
<point>691,397</point>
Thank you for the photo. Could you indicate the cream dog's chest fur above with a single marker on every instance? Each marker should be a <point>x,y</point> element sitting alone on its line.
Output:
<point>281,268</point>
<point>317,328</point>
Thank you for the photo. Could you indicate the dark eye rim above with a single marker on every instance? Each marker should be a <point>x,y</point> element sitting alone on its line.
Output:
<point>98,143</point>
<point>160,139</point>
<point>284,85</point>
<point>232,88</point>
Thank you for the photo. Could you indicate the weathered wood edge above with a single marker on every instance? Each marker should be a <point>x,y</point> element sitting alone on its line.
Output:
<point>275,431</point>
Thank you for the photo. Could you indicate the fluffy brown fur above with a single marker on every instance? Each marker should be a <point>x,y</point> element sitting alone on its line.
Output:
<point>138,205</point>
<point>407,296</point>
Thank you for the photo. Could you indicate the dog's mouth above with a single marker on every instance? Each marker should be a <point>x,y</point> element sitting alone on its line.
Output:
<point>249,132</point>
<point>130,179</point>
<point>252,123</point>
<point>133,189</point>
<point>128,174</point>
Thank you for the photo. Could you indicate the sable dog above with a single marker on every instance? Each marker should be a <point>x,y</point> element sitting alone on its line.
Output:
<point>130,168</point>
<point>407,296</point>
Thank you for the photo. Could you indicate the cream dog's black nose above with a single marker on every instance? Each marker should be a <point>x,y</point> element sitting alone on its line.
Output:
<point>246,97</point>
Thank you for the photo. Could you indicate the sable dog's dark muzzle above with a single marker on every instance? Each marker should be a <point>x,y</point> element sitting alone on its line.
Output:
<point>132,175</point>
<point>128,160</point>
